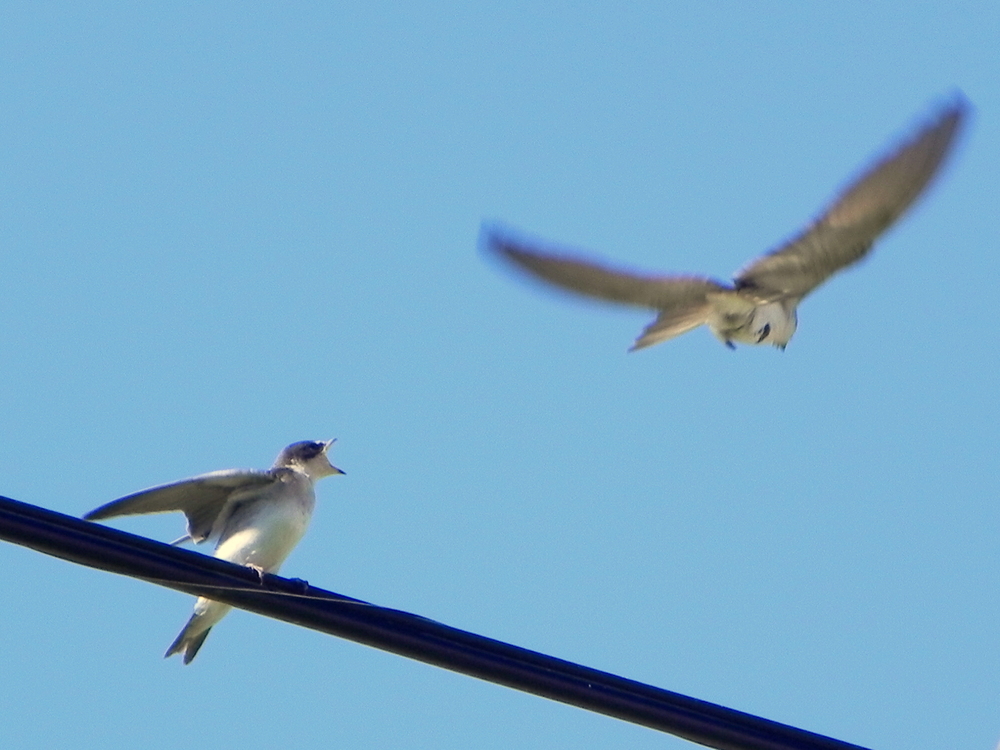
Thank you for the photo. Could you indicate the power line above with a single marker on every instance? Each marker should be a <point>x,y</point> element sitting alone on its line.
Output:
<point>399,632</point>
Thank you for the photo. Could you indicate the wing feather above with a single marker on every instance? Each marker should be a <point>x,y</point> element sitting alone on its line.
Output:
<point>844,234</point>
<point>586,277</point>
<point>200,498</point>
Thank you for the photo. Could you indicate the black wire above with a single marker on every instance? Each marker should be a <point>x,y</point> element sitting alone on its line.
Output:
<point>399,632</point>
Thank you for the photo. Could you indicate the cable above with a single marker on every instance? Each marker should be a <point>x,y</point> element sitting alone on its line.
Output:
<point>399,632</point>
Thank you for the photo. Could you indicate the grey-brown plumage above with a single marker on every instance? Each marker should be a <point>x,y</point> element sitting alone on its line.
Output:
<point>760,306</point>
<point>201,499</point>
<point>257,518</point>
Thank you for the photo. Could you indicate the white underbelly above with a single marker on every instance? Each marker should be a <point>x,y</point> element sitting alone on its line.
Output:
<point>267,542</point>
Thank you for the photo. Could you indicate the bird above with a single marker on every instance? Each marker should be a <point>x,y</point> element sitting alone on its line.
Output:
<point>759,307</point>
<point>256,516</point>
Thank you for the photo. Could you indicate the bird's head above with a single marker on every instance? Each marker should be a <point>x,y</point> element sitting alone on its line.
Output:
<point>309,457</point>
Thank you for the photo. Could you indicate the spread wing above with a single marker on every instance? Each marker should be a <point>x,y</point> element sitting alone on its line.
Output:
<point>846,231</point>
<point>673,295</point>
<point>200,498</point>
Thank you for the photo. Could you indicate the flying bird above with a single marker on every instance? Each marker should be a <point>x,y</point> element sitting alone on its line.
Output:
<point>257,518</point>
<point>759,307</point>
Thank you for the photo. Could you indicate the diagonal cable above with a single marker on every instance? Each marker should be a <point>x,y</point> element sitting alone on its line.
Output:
<point>399,632</point>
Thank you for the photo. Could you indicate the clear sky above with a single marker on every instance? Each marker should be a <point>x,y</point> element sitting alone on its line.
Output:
<point>227,228</point>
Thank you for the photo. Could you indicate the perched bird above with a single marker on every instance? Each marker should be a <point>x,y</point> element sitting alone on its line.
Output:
<point>257,517</point>
<point>759,307</point>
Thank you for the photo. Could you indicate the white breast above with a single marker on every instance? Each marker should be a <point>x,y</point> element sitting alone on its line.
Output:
<point>264,531</point>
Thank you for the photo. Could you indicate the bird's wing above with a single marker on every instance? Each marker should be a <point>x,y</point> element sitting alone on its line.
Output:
<point>200,498</point>
<point>845,232</point>
<point>674,295</point>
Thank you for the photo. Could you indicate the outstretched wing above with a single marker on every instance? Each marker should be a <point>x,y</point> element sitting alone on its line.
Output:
<point>844,234</point>
<point>200,498</point>
<point>666,293</point>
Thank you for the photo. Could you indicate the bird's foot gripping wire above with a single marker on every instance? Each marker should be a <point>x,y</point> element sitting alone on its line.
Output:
<point>259,571</point>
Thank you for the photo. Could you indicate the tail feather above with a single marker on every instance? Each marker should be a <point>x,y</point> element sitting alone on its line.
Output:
<point>673,322</point>
<point>206,614</point>
<point>187,644</point>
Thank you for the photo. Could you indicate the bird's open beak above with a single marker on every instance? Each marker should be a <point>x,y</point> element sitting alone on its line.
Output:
<point>326,448</point>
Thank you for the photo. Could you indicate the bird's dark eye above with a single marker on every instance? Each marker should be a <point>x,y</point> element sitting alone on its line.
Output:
<point>311,450</point>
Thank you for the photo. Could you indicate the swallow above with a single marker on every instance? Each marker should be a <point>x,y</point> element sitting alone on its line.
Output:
<point>759,307</point>
<point>257,518</point>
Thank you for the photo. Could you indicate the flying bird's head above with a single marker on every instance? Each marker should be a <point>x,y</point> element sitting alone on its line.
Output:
<point>775,323</point>
<point>309,457</point>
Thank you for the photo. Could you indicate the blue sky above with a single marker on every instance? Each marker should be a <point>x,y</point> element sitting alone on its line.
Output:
<point>227,228</point>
